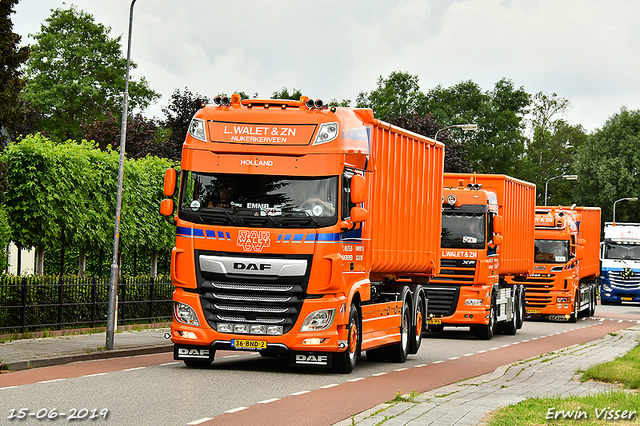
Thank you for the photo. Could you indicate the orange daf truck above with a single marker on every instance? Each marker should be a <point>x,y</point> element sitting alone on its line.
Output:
<point>563,285</point>
<point>487,234</point>
<point>303,231</point>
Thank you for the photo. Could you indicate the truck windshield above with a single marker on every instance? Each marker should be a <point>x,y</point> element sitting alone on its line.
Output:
<point>463,230</point>
<point>621,251</point>
<point>552,251</point>
<point>259,200</point>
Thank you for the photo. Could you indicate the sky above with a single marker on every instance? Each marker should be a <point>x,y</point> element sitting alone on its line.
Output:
<point>587,51</point>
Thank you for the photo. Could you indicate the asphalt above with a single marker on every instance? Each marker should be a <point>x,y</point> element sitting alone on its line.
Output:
<point>464,403</point>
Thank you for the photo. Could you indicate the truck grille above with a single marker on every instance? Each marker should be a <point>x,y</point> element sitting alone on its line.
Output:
<point>252,297</point>
<point>538,290</point>
<point>442,301</point>
<point>616,279</point>
<point>456,271</point>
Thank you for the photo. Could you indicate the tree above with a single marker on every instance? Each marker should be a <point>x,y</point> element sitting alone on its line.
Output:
<point>550,151</point>
<point>455,153</point>
<point>608,166</point>
<point>399,94</point>
<point>296,94</point>
<point>11,59</point>
<point>178,116</point>
<point>499,144</point>
<point>144,137</point>
<point>76,72</point>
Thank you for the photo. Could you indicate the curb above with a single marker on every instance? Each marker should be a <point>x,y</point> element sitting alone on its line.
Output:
<point>67,359</point>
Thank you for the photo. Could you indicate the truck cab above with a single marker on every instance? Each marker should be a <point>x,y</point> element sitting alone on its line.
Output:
<point>620,257</point>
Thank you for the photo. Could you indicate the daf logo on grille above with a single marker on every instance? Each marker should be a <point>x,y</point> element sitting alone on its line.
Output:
<point>251,266</point>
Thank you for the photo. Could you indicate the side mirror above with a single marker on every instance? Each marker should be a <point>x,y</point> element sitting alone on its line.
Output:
<point>358,214</point>
<point>170,178</point>
<point>498,224</point>
<point>166,207</point>
<point>358,189</point>
<point>497,239</point>
<point>582,242</point>
<point>580,252</point>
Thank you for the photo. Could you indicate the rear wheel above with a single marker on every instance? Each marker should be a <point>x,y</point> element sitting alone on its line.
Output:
<point>522,306</point>
<point>345,362</point>
<point>398,352</point>
<point>592,302</point>
<point>416,329</point>
<point>511,327</point>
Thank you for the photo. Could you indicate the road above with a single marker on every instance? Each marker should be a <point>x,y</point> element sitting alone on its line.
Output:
<point>244,388</point>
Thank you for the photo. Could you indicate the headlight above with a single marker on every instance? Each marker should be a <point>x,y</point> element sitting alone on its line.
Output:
<point>196,129</point>
<point>318,320</point>
<point>606,287</point>
<point>327,133</point>
<point>185,314</point>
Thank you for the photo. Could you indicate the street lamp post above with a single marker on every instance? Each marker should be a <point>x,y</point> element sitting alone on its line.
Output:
<point>113,281</point>
<point>465,127</point>
<point>621,199</point>
<point>546,185</point>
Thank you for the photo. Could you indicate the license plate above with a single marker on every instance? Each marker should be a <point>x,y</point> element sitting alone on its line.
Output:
<point>534,311</point>
<point>434,321</point>
<point>627,299</point>
<point>249,344</point>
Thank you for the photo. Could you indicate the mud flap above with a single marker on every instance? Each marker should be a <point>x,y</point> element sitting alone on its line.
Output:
<point>311,359</point>
<point>193,352</point>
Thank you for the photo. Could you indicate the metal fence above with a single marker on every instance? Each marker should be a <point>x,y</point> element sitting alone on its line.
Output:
<point>47,303</point>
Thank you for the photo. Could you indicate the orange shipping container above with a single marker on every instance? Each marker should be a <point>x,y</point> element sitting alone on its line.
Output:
<point>405,201</point>
<point>516,205</point>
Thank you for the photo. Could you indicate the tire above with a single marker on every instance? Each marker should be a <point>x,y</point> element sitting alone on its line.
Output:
<point>345,362</point>
<point>416,330</point>
<point>486,331</point>
<point>592,302</point>
<point>522,307</point>
<point>576,309</point>
<point>197,363</point>
<point>398,351</point>
<point>510,328</point>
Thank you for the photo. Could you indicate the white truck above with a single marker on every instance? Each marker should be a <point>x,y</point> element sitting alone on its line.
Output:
<point>620,263</point>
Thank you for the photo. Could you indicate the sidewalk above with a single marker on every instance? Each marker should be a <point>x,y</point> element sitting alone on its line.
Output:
<point>468,402</point>
<point>31,353</point>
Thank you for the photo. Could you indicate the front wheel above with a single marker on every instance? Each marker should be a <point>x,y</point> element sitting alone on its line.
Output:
<point>345,362</point>
<point>486,331</point>
<point>576,308</point>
